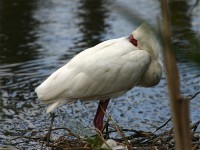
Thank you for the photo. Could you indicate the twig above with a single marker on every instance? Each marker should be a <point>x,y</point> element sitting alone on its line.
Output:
<point>121,133</point>
<point>194,95</point>
<point>158,128</point>
<point>195,126</point>
<point>179,106</point>
<point>99,134</point>
<point>140,140</point>
<point>106,127</point>
<point>27,137</point>
<point>62,128</point>
<point>50,128</point>
<point>123,129</point>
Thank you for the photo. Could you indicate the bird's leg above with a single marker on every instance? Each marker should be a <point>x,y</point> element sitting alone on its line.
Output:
<point>98,120</point>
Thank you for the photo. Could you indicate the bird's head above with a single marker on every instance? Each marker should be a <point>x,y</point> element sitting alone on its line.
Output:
<point>146,40</point>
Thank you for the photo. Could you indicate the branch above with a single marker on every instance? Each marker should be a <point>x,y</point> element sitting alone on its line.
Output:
<point>179,106</point>
<point>158,128</point>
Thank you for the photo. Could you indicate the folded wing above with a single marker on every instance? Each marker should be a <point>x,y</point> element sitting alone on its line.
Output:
<point>108,73</point>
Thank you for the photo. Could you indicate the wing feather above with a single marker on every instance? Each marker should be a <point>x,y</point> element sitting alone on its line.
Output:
<point>106,72</point>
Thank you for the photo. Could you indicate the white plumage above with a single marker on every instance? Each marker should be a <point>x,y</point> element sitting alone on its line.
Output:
<point>105,71</point>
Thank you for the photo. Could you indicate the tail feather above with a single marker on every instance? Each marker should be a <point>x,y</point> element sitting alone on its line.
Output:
<point>57,104</point>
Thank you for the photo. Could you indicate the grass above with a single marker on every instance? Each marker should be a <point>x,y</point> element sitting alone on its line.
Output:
<point>139,140</point>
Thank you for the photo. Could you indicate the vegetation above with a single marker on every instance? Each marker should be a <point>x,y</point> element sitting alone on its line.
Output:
<point>129,138</point>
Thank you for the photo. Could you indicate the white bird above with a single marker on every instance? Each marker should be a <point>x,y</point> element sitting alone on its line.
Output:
<point>105,71</point>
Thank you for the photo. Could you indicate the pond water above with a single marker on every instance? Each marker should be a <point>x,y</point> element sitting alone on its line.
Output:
<point>38,37</point>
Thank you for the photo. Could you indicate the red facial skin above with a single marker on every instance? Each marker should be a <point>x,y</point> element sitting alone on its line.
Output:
<point>133,40</point>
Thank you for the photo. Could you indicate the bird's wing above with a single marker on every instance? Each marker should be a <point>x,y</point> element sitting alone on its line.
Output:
<point>60,81</point>
<point>104,78</point>
<point>110,78</point>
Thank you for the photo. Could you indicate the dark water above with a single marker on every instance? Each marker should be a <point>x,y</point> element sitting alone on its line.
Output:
<point>37,37</point>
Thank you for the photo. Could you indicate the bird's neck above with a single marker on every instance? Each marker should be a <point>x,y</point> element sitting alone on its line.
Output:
<point>132,40</point>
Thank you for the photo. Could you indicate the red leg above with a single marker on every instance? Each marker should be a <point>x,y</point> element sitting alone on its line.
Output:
<point>98,120</point>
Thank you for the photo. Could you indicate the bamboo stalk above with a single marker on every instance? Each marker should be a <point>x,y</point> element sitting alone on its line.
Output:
<point>179,106</point>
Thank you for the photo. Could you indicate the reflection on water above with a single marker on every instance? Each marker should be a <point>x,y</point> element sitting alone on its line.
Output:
<point>92,28</point>
<point>16,29</point>
<point>37,37</point>
<point>183,35</point>
<point>17,48</point>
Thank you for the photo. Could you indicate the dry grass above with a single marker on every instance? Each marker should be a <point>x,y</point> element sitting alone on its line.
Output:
<point>139,140</point>
<point>133,139</point>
